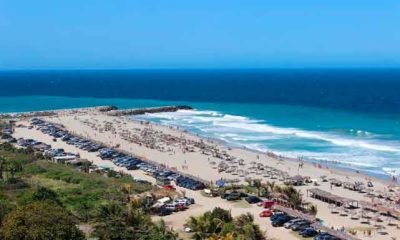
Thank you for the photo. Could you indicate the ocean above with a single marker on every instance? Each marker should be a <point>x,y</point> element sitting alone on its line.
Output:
<point>347,118</point>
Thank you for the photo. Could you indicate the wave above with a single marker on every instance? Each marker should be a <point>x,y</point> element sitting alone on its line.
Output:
<point>206,120</point>
<point>352,148</point>
<point>392,171</point>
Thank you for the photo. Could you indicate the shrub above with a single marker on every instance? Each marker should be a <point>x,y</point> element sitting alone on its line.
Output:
<point>40,220</point>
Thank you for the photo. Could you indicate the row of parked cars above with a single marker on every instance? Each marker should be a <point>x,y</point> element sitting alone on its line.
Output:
<point>163,208</point>
<point>163,176</point>
<point>301,226</point>
<point>118,158</point>
<point>56,132</point>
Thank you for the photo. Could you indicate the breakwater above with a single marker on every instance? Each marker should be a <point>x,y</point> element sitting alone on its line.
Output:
<point>139,111</point>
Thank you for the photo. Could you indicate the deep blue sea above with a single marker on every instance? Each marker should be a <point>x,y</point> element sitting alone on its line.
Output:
<point>346,116</point>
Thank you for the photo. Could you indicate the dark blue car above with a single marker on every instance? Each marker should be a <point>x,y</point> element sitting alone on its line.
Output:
<point>281,220</point>
<point>308,232</point>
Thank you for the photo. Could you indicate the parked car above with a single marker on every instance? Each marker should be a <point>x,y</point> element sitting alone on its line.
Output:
<point>233,196</point>
<point>191,200</point>
<point>170,207</point>
<point>164,211</point>
<point>266,213</point>
<point>281,220</point>
<point>308,232</point>
<point>253,199</point>
<point>299,225</point>
<point>186,202</point>
<point>291,222</point>
<point>267,204</point>
<point>180,206</point>
<point>325,236</point>
<point>276,215</point>
<point>225,195</point>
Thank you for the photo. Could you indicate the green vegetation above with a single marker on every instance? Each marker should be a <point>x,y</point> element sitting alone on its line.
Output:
<point>40,220</point>
<point>219,224</point>
<point>132,223</point>
<point>44,200</point>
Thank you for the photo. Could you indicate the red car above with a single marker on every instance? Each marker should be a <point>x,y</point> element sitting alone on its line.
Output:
<point>268,204</point>
<point>266,213</point>
<point>169,187</point>
<point>181,207</point>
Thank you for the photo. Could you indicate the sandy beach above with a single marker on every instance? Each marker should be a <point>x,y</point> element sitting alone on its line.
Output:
<point>204,159</point>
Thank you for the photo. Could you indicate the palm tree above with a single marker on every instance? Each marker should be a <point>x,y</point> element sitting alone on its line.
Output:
<point>257,184</point>
<point>198,226</point>
<point>228,236</point>
<point>160,231</point>
<point>246,229</point>
<point>210,223</point>
<point>138,219</point>
<point>294,197</point>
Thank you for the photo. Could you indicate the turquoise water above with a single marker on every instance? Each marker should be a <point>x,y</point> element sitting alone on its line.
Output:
<point>369,142</point>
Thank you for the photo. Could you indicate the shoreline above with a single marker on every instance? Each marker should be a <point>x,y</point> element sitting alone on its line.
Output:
<point>342,170</point>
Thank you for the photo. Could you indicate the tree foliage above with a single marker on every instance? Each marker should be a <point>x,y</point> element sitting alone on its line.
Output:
<point>119,223</point>
<point>219,224</point>
<point>40,220</point>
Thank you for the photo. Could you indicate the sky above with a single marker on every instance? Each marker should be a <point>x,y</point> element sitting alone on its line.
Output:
<point>119,34</point>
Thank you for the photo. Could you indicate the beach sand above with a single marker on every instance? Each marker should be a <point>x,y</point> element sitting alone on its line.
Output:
<point>180,150</point>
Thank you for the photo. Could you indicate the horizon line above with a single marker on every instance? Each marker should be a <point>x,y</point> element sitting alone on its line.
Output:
<point>198,69</point>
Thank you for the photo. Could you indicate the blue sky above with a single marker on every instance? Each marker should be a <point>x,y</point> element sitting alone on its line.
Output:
<point>88,34</point>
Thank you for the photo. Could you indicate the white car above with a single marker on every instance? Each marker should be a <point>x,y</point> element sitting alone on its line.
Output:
<point>291,222</point>
<point>184,201</point>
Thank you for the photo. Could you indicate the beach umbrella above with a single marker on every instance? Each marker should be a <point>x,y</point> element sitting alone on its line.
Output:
<point>220,183</point>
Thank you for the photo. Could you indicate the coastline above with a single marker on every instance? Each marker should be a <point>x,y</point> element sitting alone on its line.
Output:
<point>342,170</point>
<point>181,150</point>
<point>339,168</point>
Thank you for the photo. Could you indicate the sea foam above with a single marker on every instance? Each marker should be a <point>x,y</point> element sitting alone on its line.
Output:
<point>359,150</point>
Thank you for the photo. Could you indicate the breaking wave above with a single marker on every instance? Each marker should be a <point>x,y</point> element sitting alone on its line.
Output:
<point>359,149</point>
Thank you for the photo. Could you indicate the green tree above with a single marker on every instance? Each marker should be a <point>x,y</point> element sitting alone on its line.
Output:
<point>222,214</point>
<point>5,208</point>
<point>40,220</point>
<point>43,194</point>
<point>111,223</point>
<point>110,211</point>
<point>13,166</point>
<point>159,231</point>
<point>294,197</point>
<point>246,229</point>
<point>112,230</point>
<point>219,223</point>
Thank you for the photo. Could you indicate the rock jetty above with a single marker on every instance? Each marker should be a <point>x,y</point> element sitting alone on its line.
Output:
<point>139,111</point>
